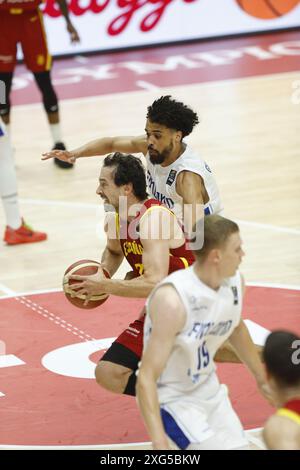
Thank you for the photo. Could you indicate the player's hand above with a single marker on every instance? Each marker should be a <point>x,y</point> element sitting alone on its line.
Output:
<point>73,33</point>
<point>88,285</point>
<point>63,155</point>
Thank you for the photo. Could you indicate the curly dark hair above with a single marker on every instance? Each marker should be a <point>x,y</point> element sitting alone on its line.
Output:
<point>129,169</point>
<point>172,114</point>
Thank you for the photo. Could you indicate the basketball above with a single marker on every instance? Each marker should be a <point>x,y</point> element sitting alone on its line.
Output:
<point>84,267</point>
<point>267,9</point>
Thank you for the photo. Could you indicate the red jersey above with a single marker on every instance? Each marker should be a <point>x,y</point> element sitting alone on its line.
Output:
<point>17,6</point>
<point>291,410</point>
<point>180,258</point>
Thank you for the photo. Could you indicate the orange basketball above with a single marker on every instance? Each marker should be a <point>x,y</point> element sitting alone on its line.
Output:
<point>84,267</point>
<point>267,9</point>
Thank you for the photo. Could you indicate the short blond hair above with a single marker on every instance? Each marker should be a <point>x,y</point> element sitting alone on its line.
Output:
<point>217,230</point>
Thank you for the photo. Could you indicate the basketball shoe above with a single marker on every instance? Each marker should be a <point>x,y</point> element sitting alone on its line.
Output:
<point>60,163</point>
<point>23,234</point>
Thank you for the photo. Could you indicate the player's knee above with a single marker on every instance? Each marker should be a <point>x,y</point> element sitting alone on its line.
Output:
<point>113,377</point>
<point>43,80</point>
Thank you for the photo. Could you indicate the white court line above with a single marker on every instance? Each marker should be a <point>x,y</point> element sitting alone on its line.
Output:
<point>273,285</point>
<point>102,446</point>
<point>33,292</point>
<point>7,290</point>
<point>78,447</point>
<point>275,228</point>
<point>254,284</point>
<point>91,99</point>
<point>147,85</point>
<point>42,311</point>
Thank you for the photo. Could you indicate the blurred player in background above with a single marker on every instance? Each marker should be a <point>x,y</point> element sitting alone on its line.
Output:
<point>281,354</point>
<point>21,22</point>
<point>17,231</point>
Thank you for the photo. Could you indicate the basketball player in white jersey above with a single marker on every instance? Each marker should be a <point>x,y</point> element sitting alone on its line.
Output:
<point>16,231</point>
<point>176,175</point>
<point>190,314</point>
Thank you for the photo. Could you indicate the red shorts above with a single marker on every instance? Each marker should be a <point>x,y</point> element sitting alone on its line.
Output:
<point>127,349</point>
<point>133,337</point>
<point>26,28</point>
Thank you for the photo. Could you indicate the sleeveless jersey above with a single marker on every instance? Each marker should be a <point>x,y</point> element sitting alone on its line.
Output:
<point>132,247</point>
<point>17,6</point>
<point>161,182</point>
<point>291,410</point>
<point>211,317</point>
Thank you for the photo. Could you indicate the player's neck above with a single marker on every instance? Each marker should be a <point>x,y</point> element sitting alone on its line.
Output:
<point>177,152</point>
<point>134,207</point>
<point>288,395</point>
<point>208,276</point>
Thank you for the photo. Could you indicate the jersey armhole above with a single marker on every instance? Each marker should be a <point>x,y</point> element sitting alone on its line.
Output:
<point>169,283</point>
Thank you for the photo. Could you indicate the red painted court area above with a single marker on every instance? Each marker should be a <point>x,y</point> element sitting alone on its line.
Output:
<point>46,395</point>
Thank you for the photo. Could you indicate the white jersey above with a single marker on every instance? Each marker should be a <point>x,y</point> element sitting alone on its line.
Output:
<point>161,182</point>
<point>211,318</point>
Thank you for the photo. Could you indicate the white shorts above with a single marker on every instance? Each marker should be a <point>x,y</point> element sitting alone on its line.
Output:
<point>190,423</point>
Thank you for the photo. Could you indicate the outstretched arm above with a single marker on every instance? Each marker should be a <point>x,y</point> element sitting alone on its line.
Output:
<point>101,146</point>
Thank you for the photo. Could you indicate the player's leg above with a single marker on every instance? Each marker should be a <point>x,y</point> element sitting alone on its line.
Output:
<point>226,353</point>
<point>8,51</point>
<point>5,89</point>
<point>225,423</point>
<point>116,371</point>
<point>203,421</point>
<point>38,60</point>
<point>16,230</point>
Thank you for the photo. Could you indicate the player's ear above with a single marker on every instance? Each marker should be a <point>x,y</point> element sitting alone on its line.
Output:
<point>215,255</point>
<point>128,189</point>
<point>178,136</point>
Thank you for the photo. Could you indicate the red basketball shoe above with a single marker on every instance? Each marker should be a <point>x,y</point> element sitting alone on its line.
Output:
<point>23,234</point>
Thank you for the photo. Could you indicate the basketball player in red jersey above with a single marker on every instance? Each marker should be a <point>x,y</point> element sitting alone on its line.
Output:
<point>150,238</point>
<point>282,361</point>
<point>21,22</point>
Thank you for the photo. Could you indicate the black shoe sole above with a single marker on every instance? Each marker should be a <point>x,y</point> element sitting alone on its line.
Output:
<point>61,164</point>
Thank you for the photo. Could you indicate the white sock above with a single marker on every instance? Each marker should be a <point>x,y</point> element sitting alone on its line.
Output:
<point>8,182</point>
<point>56,133</point>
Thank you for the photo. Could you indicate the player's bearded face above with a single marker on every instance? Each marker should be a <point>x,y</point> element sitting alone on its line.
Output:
<point>157,157</point>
